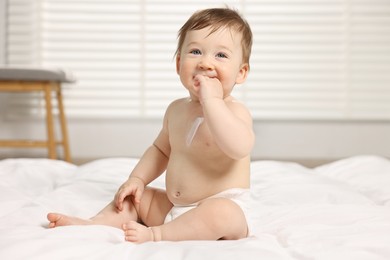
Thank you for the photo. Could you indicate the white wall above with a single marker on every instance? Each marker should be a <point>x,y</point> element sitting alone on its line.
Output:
<point>281,140</point>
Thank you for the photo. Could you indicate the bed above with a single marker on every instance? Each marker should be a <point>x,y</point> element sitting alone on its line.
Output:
<point>339,210</point>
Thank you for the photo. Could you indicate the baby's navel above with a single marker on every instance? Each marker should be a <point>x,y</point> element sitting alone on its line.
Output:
<point>177,194</point>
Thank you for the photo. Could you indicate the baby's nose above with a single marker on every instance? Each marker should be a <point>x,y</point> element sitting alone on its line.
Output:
<point>205,64</point>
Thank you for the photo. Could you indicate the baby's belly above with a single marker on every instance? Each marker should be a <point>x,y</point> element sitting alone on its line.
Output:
<point>189,182</point>
<point>183,192</point>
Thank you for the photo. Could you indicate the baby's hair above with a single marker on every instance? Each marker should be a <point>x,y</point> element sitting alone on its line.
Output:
<point>218,18</point>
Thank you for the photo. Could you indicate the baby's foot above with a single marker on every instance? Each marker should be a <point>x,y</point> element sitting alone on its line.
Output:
<point>57,220</point>
<point>135,232</point>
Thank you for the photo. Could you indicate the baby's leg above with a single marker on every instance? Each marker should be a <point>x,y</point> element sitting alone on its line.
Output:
<point>57,219</point>
<point>154,215</point>
<point>213,219</point>
<point>110,215</point>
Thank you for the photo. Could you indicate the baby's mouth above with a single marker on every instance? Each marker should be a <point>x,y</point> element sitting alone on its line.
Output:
<point>211,76</point>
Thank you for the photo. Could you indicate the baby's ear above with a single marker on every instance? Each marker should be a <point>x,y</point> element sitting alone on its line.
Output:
<point>178,63</point>
<point>242,74</point>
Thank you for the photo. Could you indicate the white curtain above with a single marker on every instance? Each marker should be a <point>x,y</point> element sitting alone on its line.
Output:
<point>311,59</point>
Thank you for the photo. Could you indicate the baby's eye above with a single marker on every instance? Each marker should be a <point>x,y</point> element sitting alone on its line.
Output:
<point>195,52</point>
<point>221,55</point>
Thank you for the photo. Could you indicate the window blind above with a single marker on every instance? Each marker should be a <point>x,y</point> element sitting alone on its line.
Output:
<point>311,59</point>
<point>320,59</point>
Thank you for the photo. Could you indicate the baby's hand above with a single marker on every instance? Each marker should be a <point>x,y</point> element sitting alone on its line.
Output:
<point>208,87</point>
<point>134,186</point>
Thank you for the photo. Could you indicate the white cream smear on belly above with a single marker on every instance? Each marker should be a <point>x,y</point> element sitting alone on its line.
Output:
<point>194,128</point>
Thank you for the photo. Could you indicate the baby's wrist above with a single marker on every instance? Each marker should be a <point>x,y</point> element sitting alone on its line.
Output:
<point>137,179</point>
<point>211,100</point>
<point>156,234</point>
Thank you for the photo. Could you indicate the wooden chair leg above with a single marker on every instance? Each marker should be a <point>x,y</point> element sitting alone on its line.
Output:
<point>51,143</point>
<point>65,140</point>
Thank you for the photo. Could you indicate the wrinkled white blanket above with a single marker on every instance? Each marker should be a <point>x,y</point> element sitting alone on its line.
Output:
<point>336,211</point>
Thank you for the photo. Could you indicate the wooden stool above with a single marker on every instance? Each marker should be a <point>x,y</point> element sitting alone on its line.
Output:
<point>14,79</point>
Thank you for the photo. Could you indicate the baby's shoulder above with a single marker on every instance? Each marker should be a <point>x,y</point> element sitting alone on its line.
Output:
<point>180,103</point>
<point>175,107</point>
<point>235,104</point>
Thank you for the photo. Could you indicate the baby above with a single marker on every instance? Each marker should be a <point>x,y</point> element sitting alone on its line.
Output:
<point>204,146</point>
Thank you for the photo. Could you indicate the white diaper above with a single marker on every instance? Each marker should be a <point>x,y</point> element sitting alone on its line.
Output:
<point>242,197</point>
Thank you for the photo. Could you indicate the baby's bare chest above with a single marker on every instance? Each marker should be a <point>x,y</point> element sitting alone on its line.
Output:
<point>189,132</point>
<point>192,135</point>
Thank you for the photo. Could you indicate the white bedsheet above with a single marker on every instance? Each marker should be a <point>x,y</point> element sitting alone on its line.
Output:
<point>337,211</point>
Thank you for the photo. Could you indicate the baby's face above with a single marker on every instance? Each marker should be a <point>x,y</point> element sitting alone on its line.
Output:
<point>217,55</point>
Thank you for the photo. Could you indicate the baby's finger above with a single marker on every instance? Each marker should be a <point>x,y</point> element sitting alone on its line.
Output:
<point>199,79</point>
<point>119,201</point>
<point>137,196</point>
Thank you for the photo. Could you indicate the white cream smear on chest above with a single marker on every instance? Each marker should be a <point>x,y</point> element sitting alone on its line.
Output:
<point>194,128</point>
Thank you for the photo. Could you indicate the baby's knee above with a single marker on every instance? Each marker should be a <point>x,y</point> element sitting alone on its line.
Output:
<point>154,207</point>
<point>221,206</point>
<point>225,214</point>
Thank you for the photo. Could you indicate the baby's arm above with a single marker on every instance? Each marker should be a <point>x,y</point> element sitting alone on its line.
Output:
<point>231,126</point>
<point>151,165</point>
<point>229,121</point>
